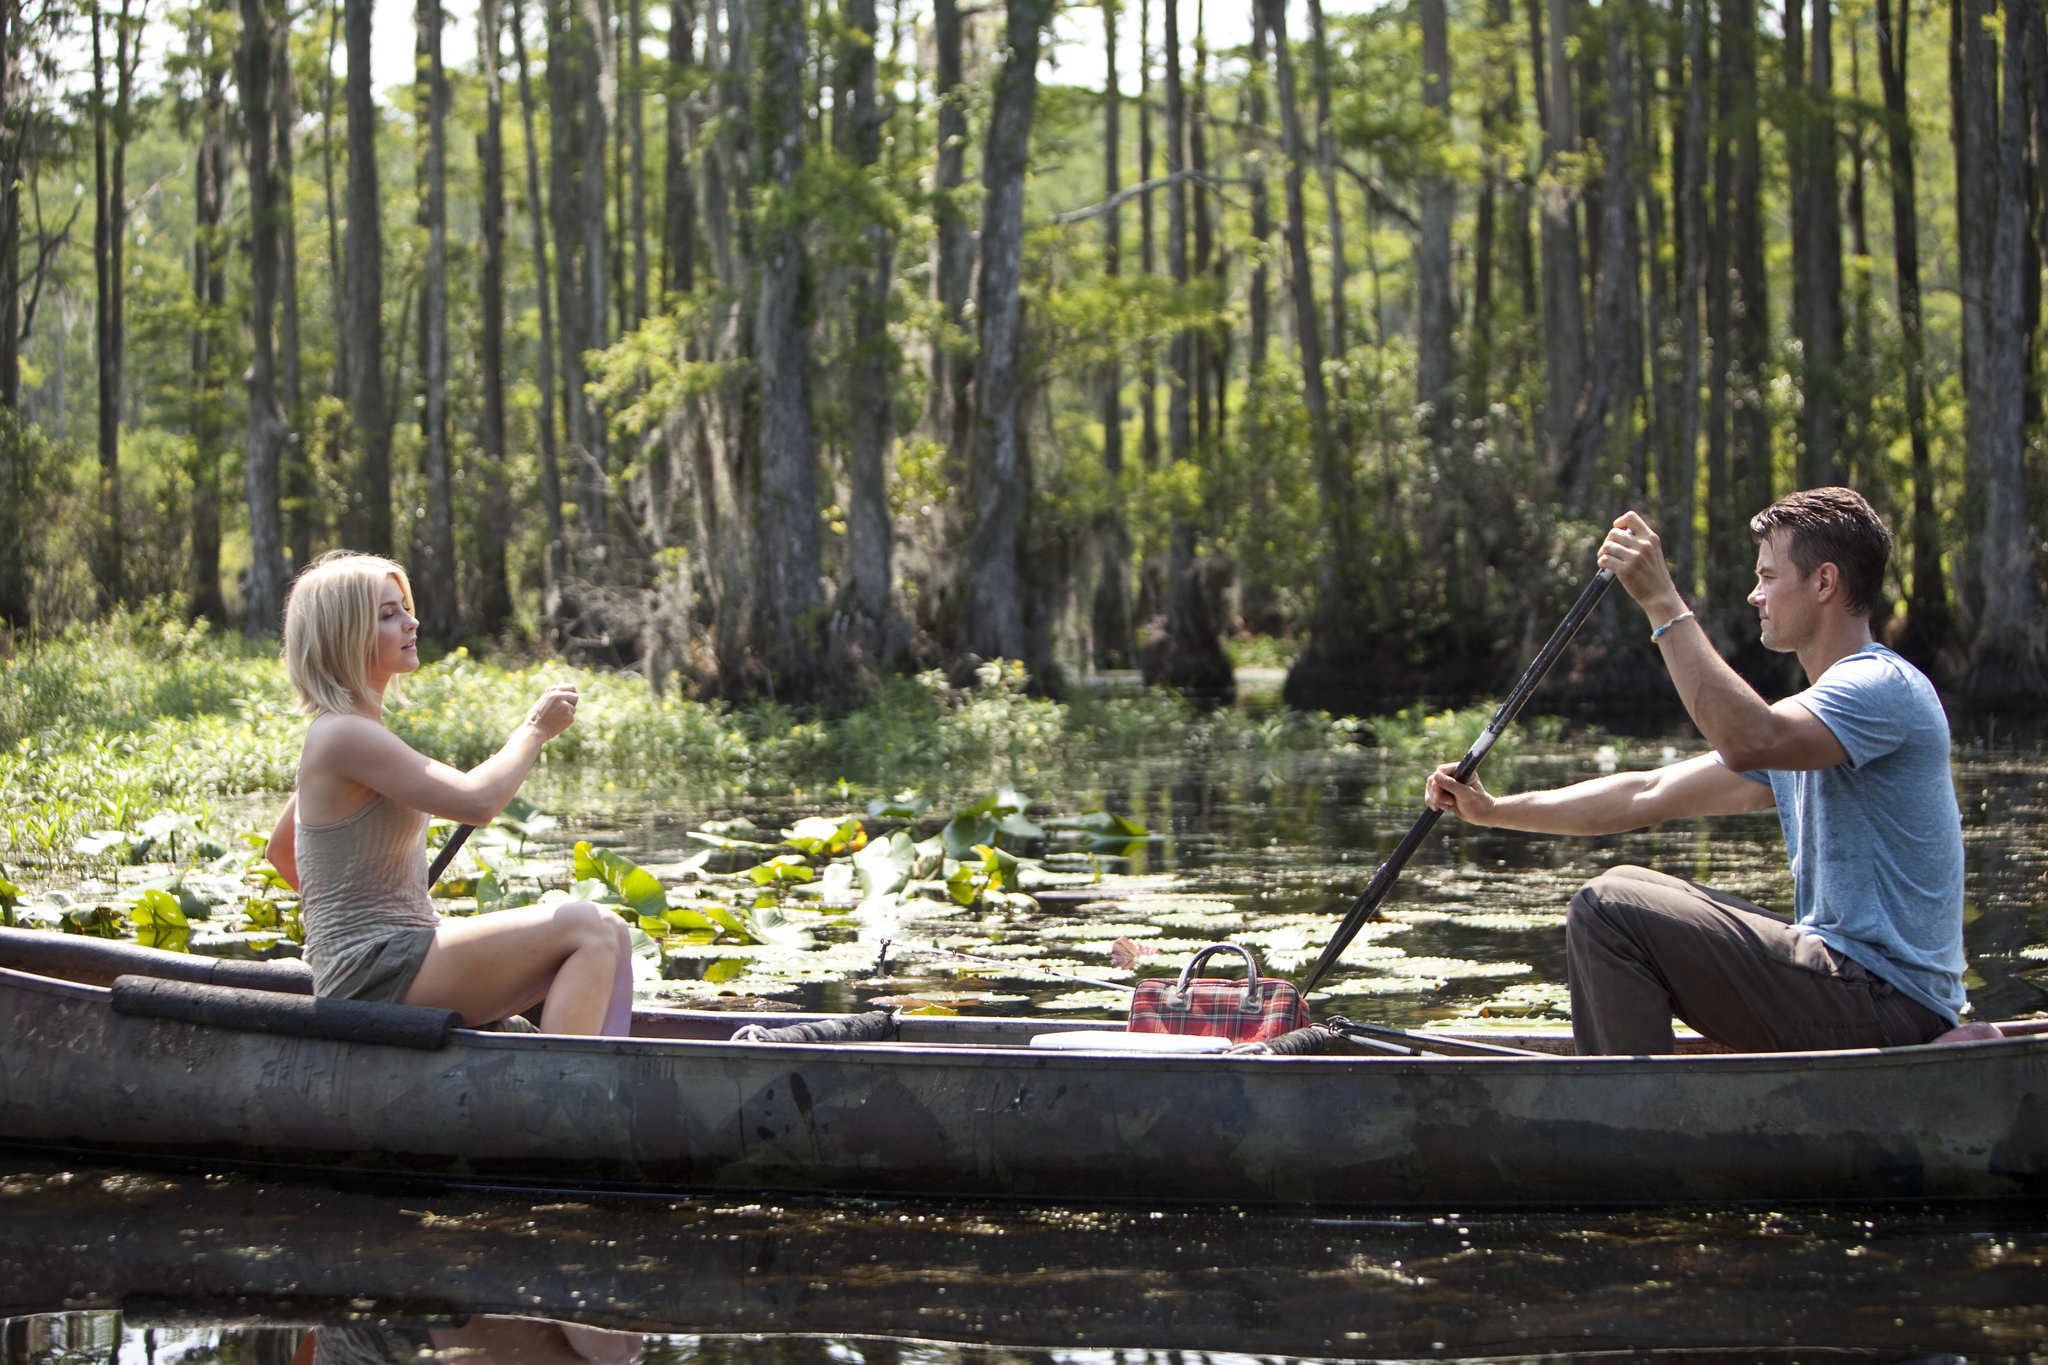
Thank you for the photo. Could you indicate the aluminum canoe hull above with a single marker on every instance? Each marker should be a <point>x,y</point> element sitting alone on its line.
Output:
<point>973,1120</point>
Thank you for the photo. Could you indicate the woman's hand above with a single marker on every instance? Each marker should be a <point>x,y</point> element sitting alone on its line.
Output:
<point>1469,801</point>
<point>555,711</point>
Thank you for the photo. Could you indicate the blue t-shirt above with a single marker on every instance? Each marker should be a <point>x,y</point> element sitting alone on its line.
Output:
<point>1877,843</point>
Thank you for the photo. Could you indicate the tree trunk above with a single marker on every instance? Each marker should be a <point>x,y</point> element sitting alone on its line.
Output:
<point>1973,79</point>
<point>1499,120</point>
<point>1148,244</point>
<point>636,137</point>
<point>13,164</point>
<point>110,231</point>
<point>952,386</point>
<point>368,525</point>
<point>1613,318</point>
<point>1187,656</point>
<point>994,625</point>
<point>263,598</point>
<point>1679,498</point>
<point>554,553</point>
<point>787,599</point>
<point>1322,670</point>
<point>494,605</point>
<point>679,215</point>
<point>870,400</point>
<point>337,299</point>
<point>1433,359</point>
<point>2006,660</point>
<point>1929,629</point>
<point>1564,318</point>
<point>438,590</point>
<point>1821,284</point>
<point>1326,168</point>
<point>210,248</point>
<point>1113,637</point>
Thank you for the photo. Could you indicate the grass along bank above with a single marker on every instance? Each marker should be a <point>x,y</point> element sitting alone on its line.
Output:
<point>141,715</point>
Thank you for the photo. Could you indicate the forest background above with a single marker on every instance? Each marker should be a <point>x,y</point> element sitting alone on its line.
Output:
<point>772,347</point>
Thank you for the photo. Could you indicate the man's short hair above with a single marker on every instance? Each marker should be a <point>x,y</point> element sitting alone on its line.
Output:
<point>1832,526</point>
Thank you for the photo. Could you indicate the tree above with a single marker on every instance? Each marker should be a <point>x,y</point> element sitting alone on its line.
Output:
<point>787,599</point>
<point>367,525</point>
<point>1112,606</point>
<point>953,362</point>
<point>996,481</point>
<point>554,549</point>
<point>870,396</point>
<point>1433,360</point>
<point>211,248</point>
<point>111,130</point>
<point>263,604</point>
<point>1928,627</point>
<point>439,590</point>
<point>495,588</point>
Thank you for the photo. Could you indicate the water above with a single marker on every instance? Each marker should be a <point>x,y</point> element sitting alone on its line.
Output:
<point>165,1268</point>
<point>132,1267</point>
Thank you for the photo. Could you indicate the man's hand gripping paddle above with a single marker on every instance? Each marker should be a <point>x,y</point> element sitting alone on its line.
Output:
<point>1368,903</point>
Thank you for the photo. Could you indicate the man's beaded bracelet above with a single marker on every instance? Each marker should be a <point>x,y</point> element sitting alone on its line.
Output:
<point>1658,633</point>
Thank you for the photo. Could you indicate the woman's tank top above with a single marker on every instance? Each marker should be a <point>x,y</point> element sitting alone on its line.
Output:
<point>361,880</point>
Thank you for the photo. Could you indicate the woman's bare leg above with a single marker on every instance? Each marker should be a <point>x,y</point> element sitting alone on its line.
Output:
<point>618,1015</point>
<point>488,967</point>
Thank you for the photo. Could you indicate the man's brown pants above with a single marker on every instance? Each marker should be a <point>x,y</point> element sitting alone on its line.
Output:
<point>1641,946</point>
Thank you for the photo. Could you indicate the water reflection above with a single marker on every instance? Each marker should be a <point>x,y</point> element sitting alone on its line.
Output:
<point>132,1268</point>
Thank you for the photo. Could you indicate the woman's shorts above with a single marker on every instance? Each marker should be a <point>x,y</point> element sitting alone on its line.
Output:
<point>383,971</point>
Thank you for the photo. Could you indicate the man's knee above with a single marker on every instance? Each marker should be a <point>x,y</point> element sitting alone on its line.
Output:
<point>1598,901</point>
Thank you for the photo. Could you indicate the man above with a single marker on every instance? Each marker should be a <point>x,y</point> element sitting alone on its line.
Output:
<point>1857,766</point>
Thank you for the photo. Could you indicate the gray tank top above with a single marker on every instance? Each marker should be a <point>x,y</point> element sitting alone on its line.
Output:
<point>361,880</point>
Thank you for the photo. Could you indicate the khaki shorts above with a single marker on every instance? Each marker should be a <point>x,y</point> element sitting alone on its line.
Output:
<point>383,970</point>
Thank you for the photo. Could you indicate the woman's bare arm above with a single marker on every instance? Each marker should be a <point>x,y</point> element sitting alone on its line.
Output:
<point>283,849</point>
<point>358,751</point>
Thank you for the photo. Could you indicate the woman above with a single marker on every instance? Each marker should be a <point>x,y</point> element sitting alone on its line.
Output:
<point>354,832</point>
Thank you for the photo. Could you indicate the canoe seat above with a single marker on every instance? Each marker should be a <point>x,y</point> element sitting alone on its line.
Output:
<point>97,961</point>
<point>302,1016</point>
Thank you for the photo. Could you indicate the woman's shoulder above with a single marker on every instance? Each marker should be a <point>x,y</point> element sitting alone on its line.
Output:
<point>332,730</point>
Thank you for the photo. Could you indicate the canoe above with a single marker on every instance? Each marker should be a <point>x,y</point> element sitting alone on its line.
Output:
<point>965,1107</point>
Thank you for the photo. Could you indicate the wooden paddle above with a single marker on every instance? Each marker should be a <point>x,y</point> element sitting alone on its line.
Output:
<point>1367,905</point>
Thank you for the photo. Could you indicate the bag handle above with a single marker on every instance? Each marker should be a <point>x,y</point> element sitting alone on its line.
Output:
<point>1254,992</point>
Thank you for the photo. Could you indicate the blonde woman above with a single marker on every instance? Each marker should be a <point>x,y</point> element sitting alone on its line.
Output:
<point>352,839</point>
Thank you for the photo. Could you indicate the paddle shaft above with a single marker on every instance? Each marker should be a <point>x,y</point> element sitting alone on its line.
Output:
<point>1382,881</point>
<point>447,853</point>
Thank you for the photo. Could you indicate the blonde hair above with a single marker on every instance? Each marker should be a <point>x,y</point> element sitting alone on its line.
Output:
<point>330,628</point>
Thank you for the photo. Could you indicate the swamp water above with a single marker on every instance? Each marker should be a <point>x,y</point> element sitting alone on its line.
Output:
<point>117,1267</point>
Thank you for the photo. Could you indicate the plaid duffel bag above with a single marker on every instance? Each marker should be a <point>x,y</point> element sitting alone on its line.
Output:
<point>1247,1011</point>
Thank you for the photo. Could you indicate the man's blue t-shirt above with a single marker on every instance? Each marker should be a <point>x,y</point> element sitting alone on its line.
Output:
<point>1877,842</point>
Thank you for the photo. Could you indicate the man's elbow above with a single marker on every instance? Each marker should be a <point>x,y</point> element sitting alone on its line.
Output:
<point>1746,756</point>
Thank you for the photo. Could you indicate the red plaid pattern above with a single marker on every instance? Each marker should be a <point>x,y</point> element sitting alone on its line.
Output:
<point>1215,1007</point>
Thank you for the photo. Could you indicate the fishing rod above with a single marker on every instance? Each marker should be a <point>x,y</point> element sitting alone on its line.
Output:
<point>1368,903</point>
<point>882,963</point>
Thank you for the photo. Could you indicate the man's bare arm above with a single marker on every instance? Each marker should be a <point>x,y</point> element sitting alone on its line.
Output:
<point>1747,731</point>
<point>1605,805</point>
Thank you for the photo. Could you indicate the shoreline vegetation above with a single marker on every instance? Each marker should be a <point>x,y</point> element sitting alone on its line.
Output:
<point>115,722</point>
